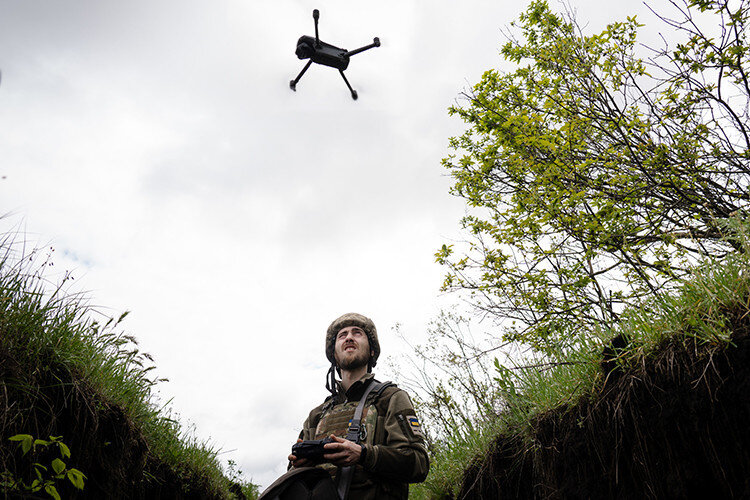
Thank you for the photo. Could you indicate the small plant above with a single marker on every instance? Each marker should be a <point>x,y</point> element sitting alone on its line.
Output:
<point>238,485</point>
<point>45,477</point>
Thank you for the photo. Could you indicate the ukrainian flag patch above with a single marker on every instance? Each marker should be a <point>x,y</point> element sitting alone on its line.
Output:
<point>414,425</point>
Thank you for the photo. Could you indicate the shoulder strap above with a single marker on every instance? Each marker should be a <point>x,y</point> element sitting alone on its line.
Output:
<point>353,434</point>
<point>376,391</point>
<point>345,478</point>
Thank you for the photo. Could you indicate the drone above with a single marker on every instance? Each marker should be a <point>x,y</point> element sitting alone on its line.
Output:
<point>326,54</point>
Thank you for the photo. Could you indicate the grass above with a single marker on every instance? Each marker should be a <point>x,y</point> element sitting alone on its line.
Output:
<point>451,458</point>
<point>700,315</point>
<point>43,324</point>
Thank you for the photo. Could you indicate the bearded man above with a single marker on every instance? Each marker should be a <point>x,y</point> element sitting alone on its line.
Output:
<point>389,451</point>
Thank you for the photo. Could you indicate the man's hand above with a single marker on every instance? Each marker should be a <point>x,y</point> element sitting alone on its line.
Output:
<point>299,462</point>
<point>343,452</point>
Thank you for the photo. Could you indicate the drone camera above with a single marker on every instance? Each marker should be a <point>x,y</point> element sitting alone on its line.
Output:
<point>304,50</point>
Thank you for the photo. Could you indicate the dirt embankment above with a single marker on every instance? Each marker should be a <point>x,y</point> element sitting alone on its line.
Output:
<point>676,426</point>
<point>106,446</point>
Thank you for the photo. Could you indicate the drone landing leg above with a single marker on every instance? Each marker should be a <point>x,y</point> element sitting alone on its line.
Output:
<point>293,83</point>
<point>354,92</point>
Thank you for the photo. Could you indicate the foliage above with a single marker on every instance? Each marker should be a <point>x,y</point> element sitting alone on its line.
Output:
<point>237,482</point>
<point>608,196</point>
<point>456,397</point>
<point>453,386</point>
<point>705,309</point>
<point>596,178</point>
<point>46,328</point>
<point>466,402</point>
<point>45,477</point>
<point>700,313</point>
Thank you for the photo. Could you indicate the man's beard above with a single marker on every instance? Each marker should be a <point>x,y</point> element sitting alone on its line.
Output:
<point>355,362</point>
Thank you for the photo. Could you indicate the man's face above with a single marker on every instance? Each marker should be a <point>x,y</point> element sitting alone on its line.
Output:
<point>352,349</point>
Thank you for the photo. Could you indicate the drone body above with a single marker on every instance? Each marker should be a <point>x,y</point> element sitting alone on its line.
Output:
<point>322,53</point>
<point>326,54</point>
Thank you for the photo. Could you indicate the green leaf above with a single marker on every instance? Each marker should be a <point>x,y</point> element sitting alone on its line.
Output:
<point>58,466</point>
<point>26,441</point>
<point>20,437</point>
<point>76,477</point>
<point>52,491</point>
<point>38,468</point>
<point>64,450</point>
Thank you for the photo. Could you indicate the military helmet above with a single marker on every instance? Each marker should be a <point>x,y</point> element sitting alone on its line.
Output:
<point>353,319</point>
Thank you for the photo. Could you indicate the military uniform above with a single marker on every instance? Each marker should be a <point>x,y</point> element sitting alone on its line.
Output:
<point>394,447</point>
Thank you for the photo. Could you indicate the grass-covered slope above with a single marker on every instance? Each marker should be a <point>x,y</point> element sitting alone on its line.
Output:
<point>659,412</point>
<point>672,427</point>
<point>86,384</point>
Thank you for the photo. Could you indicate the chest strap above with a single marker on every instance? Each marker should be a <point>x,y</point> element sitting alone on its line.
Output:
<point>345,477</point>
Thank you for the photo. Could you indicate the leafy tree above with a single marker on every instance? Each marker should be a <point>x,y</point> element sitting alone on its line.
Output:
<point>596,176</point>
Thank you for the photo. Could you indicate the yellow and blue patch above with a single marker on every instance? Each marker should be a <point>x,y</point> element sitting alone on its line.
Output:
<point>414,425</point>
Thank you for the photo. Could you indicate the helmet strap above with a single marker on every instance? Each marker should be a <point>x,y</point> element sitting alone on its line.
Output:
<point>331,380</point>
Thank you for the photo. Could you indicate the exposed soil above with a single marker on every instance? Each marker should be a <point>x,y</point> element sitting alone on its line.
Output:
<point>677,426</point>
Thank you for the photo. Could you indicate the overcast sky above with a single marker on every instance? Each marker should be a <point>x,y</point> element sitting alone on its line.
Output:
<point>157,146</point>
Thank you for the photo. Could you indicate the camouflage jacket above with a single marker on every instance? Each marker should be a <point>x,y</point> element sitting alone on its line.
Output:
<point>395,450</point>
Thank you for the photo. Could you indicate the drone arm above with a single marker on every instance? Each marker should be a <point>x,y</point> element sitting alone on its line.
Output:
<point>316,15</point>
<point>375,43</point>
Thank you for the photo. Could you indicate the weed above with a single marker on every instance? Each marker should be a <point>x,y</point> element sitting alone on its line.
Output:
<point>43,477</point>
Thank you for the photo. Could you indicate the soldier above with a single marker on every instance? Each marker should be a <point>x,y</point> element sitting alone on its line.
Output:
<point>391,451</point>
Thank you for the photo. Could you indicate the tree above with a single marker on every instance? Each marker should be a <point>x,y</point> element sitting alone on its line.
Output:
<point>595,177</point>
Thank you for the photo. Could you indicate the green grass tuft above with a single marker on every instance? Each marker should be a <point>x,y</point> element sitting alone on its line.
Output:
<point>43,325</point>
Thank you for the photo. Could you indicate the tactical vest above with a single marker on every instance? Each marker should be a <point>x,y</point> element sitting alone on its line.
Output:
<point>336,420</point>
<point>306,482</point>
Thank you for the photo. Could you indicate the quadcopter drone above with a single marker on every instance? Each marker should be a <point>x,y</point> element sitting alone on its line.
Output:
<point>326,54</point>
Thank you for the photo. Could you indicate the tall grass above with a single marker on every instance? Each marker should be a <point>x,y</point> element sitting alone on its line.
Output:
<point>700,314</point>
<point>43,323</point>
<point>451,456</point>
